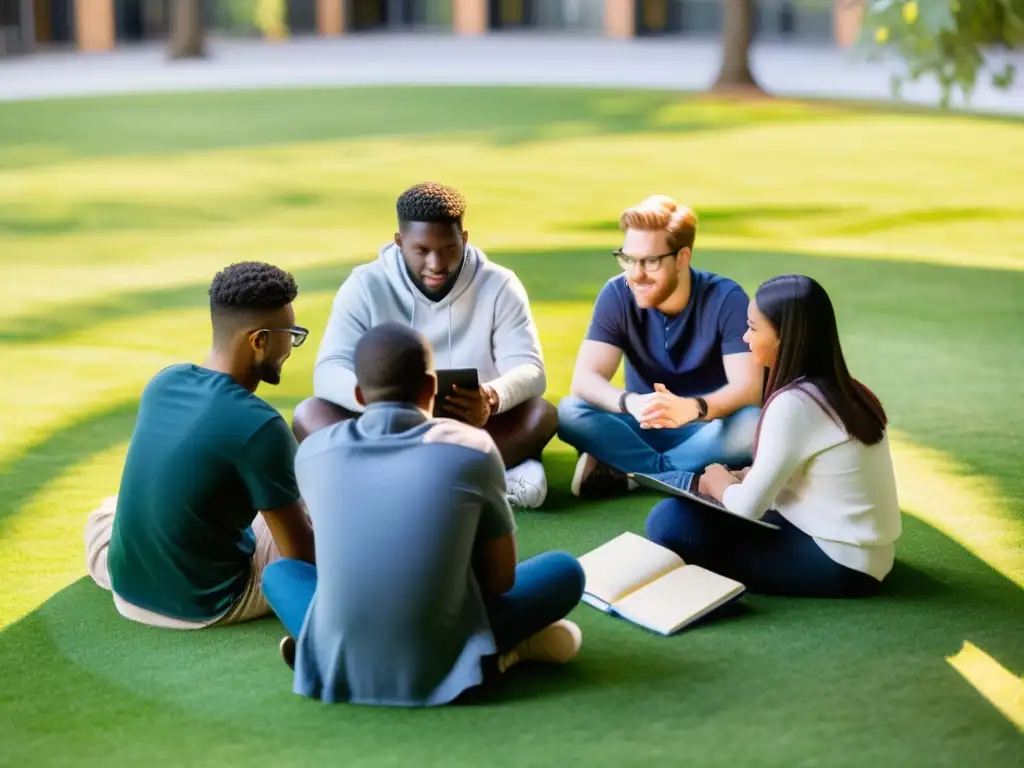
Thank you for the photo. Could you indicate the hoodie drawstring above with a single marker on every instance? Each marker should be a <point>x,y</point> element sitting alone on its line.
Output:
<point>412,318</point>
<point>412,324</point>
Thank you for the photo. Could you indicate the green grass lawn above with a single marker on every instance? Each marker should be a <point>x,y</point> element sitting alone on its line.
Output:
<point>115,214</point>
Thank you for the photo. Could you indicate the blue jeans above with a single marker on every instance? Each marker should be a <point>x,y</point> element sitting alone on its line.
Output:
<point>618,441</point>
<point>547,587</point>
<point>783,562</point>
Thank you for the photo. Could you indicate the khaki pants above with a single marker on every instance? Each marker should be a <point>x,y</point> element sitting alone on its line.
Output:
<point>251,605</point>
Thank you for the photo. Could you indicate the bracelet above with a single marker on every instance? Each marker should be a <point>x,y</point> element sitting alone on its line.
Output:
<point>622,401</point>
<point>702,406</point>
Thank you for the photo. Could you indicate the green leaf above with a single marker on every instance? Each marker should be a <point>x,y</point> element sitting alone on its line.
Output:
<point>1003,80</point>
<point>947,40</point>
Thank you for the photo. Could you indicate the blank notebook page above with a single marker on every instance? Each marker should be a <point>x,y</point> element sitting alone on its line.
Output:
<point>624,563</point>
<point>677,598</point>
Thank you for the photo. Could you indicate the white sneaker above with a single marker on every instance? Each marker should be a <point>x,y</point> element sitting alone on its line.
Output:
<point>526,485</point>
<point>555,644</point>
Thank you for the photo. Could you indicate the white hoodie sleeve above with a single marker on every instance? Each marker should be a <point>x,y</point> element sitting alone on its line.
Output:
<point>334,377</point>
<point>517,351</point>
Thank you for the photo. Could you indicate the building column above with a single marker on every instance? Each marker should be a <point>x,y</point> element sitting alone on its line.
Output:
<point>620,19</point>
<point>469,17</point>
<point>847,16</point>
<point>27,23</point>
<point>330,17</point>
<point>94,25</point>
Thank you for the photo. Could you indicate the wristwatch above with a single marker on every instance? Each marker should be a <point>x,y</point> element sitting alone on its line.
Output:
<point>702,407</point>
<point>622,401</point>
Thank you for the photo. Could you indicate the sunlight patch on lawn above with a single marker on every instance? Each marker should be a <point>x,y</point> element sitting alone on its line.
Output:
<point>94,266</point>
<point>860,185</point>
<point>964,507</point>
<point>712,110</point>
<point>1003,689</point>
<point>892,249</point>
<point>42,547</point>
<point>57,385</point>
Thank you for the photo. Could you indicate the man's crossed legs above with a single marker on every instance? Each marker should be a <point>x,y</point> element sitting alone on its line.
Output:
<point>528,621</point>
<point>521,433</point>
<point>612,444</point>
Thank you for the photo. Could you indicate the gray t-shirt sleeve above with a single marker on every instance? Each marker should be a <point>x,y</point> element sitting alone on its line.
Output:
<point>496,518</point>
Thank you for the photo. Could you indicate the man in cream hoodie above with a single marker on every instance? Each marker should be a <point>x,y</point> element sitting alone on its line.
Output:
<point>475,314</point>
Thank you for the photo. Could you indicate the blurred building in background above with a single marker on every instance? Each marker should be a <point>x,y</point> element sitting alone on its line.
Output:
<point>97,25</point>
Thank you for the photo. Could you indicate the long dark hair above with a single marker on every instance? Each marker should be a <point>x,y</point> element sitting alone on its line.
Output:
<point>810,357</point>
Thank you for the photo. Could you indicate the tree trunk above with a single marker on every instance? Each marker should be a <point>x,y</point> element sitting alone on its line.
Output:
<point>734,75</point>
<point>187,38</point>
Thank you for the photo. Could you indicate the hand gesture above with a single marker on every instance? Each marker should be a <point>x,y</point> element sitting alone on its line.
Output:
<point>667,411</point>
<point>472,406</point>
<point>740,474</point>
<point>715,480</point>
<point>637,404</point>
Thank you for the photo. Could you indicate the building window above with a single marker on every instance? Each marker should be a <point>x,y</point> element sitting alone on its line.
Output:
<point>795,20</point>
<point>553,15</point>
<point>399,15</point>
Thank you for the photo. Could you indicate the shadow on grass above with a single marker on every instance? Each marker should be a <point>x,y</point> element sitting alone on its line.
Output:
<point>55,131</point>
<point>577,274</point>
<point>726,684</point>
<point>41,463</point>
<point>821,671</point>
<point>41,132</point>
<point>731,220</point>
<point>941,379</point>
<point>128,215</point>
<point>25,475</point>
<point>744,220</point>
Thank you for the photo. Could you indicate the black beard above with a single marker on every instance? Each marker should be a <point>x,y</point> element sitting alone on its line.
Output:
<point>269,373</point>
<point>441,292</point>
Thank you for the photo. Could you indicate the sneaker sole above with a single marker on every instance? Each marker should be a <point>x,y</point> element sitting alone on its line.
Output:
<point>574,644</point>
<point>287,650</point>
<point>577,476</point>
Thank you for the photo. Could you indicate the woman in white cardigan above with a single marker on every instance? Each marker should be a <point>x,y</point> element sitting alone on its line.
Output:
<point>822,470</point>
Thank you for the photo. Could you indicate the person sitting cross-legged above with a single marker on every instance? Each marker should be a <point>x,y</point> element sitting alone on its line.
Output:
<point>822,469</point>
<point>692,388</point>
<point>475,313</point>
<point>208,494</point>
<point>416,595</point>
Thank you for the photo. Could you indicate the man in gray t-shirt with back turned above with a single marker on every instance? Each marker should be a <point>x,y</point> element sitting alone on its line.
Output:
<point>416,592</point>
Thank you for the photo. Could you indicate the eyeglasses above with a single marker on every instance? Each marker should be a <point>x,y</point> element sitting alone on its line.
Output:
<point>298,333</point>
<point>649,263</point>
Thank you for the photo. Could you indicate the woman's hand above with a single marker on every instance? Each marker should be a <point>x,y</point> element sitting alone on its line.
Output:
<point>715,480</point>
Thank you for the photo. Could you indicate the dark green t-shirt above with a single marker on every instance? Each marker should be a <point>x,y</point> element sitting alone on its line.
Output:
<point>206,455</point>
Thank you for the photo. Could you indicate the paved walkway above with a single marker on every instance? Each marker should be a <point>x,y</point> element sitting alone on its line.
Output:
<point>420,58</point>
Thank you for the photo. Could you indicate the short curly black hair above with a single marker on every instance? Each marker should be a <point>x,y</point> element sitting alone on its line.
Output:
<point>432,203</point>
<point>252,287</point>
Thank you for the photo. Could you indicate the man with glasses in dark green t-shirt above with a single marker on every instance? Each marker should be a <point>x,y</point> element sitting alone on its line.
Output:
<point>208,495</point>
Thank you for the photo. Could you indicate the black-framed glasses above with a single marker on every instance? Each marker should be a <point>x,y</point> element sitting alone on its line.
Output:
<point>648,263</point>
<point>298,333</point>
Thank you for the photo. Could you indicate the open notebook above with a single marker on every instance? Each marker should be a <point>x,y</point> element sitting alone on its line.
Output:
<point>651,586</point>
<point>652,483</point>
